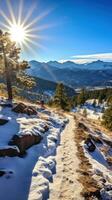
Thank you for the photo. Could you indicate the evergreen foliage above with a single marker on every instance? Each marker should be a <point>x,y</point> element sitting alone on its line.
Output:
<point>60,98</point>
<point>10,68</point>
<point>81,98</point>
<point>107,118</point>
<point>101,95</point>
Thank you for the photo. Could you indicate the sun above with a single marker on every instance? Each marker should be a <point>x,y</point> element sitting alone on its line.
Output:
<point>24,29</point>
<point>17,33</point>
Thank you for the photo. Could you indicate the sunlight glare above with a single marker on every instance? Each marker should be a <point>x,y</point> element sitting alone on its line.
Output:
<point>24,28</point>
<point>17,33</point>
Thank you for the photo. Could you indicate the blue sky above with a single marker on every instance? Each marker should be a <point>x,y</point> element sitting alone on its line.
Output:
<point>81,29</point>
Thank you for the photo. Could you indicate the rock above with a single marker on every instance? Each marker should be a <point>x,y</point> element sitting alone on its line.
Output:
<point>22,108</point>
<point>19,108</point>
<point>95,139</point>
<point>90,145</point>
<point>83,126</point>
<point>25,141</point>
<point>98,172</point>
<point>46,128</point>
<point>2,173</point>
<point>106,192</point>
<point>3,121</point>
<point>9,151</point>
<point>92,193</point>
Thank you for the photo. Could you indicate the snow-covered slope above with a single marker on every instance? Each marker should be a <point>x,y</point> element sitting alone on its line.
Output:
<point>23,178</point>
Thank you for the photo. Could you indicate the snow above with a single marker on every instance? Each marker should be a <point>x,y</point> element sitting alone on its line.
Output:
<point>65,182</point>
<point>32,174</point>
<point>93,112</point>
<point>100,167</point>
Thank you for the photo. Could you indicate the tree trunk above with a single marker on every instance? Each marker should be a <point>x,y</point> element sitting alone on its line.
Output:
<point>8,76</point>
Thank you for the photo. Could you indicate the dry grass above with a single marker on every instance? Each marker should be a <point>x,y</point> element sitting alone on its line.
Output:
<point>90,186</point>
<point>105,150</point>
<point>98,126</point>
<point>109,160</point>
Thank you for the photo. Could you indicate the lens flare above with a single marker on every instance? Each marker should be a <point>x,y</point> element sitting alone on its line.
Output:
<point>24,29</point>
<point>17,33</point>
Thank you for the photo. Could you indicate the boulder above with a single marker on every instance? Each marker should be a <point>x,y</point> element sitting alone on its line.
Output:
<point>45,129</point>
<point>3,121</point>
<point>90,145</point>
<point>25,141</point>
<point>19,108</point>
<point>83,126</point>
<point>9,151</point>
<point>2,173</point>
<point>22,108</point>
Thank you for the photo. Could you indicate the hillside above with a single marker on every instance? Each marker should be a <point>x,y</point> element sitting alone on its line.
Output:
<point>43,87</point>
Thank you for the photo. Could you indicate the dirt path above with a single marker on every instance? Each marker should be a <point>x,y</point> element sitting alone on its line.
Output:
<point>65,185</point>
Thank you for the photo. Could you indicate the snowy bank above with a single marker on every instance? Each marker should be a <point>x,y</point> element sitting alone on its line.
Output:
<point>29,177</point>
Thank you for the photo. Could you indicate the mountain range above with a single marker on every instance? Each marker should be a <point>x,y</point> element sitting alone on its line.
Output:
<point>97,73</point>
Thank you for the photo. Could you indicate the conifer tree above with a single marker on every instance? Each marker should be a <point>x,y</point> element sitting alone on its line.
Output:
<point>10,67</point>
<point>81,97</point>
<point>107,118</point>
<point>60,97</point>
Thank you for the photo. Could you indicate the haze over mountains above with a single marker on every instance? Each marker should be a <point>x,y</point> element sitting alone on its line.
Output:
<point>97,73</point>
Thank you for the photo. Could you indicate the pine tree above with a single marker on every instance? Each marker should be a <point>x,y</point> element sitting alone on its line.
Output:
<point>81,98</point>
<point>60,97</point>
<point>10,67</point>
<point>107,118</point>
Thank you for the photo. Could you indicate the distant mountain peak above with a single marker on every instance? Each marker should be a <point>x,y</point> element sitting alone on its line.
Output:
<point>52,62</point>
<point>96,73</point>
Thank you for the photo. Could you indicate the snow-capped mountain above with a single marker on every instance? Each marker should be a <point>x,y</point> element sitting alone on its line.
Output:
<point>97,73</point>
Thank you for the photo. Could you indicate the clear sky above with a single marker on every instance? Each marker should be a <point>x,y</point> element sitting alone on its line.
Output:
<point>77,28</point>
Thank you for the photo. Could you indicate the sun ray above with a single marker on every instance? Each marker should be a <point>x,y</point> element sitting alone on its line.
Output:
<point>34,36</point>
<point>5,17</point>
<point>28,15</point>
<point>50,72</point>
<point>25,31</point>
<point>20,10</point>
<point>37,44</point>
<point>40,28</point>
<point>13,19</point>
<point>4,25</point>
<point>29,48</point>
<point>37,19</point>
